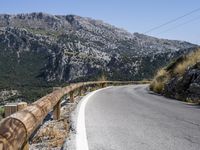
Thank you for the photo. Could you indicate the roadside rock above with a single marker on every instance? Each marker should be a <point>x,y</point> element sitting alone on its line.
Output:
<point>194,88</point>
<point>186,87</point>
<point>171,87</point>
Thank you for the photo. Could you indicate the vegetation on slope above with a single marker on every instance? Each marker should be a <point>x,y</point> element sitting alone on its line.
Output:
<point>180,79</point>
<point>157,85</point>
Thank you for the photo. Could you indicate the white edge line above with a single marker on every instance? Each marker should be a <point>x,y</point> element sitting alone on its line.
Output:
<point>81,137</point>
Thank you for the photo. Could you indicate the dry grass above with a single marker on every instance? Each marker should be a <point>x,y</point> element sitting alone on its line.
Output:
<point>54,134</point>
<point>157,85</point>
<point>161,73</point>
<point>190,60</point>
<point>162,76</point>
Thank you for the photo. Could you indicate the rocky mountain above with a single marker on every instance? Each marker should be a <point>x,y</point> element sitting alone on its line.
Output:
<point>39,48</point>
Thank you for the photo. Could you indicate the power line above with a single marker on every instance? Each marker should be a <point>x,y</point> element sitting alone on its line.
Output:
<point>171,21</point>
<point>182,24</point>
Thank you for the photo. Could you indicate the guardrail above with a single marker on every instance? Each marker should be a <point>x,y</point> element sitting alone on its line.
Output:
<point>16,129</point>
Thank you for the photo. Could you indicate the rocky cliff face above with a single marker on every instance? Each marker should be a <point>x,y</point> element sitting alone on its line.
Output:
<point>38,47</point>
<point>180,79</point>
<point>187,87</point>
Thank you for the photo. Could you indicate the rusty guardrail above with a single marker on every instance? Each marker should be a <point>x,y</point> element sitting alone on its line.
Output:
<point>16,129</point>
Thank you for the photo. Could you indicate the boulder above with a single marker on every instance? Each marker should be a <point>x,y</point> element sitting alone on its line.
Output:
<point>194,88</point>
<point>186,86</point>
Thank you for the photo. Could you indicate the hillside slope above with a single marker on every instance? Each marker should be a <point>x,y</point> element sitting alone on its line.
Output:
<point>181,79</point>
<point>42,50</point>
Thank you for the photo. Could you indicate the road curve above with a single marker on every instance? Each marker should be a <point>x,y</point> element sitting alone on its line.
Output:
<point>131,118</point>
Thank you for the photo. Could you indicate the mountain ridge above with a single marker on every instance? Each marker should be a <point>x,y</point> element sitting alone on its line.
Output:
<point>37,49</point>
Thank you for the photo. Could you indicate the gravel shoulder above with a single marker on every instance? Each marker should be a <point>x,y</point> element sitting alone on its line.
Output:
<point>52,134</point>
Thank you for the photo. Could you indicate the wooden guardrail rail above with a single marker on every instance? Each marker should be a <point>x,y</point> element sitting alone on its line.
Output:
<point>16,129</point>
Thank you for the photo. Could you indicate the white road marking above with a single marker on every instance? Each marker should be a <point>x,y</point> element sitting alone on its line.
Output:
<point>81,137</point>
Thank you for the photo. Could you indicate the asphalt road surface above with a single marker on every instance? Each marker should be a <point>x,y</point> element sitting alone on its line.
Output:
<point>132,118</point>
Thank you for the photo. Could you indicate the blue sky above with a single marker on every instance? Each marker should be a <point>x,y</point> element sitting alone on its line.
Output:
<point>132,15</point>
